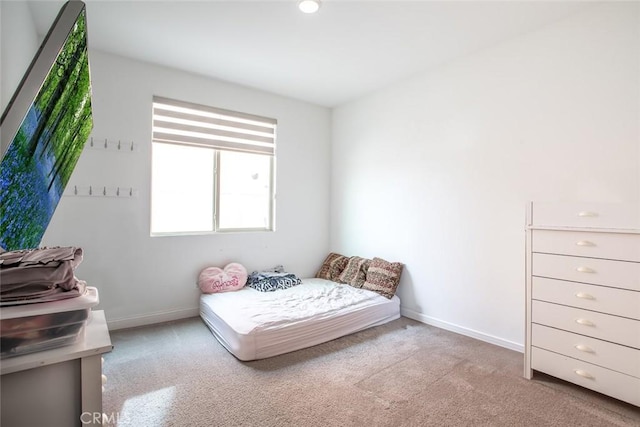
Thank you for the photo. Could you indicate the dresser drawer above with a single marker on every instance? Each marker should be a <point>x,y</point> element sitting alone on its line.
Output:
<point>619,330</point>
<point>602,380</point>
<point>601,353</point>
<point>618,274</point>
<point>619,302</point>
<point>587,215</point>
<point>618,246</point>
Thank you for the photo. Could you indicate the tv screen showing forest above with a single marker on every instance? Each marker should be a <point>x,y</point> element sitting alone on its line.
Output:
<point>42,155</point>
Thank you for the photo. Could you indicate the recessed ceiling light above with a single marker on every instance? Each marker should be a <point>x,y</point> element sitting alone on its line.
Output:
<point>309,6</point>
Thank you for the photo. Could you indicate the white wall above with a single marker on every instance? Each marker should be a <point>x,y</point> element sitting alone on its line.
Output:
<point>18,44</point>
<point>143,279</point>
<point>436,171</point>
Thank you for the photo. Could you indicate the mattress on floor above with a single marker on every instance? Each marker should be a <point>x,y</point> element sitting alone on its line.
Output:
<point>256,325</point>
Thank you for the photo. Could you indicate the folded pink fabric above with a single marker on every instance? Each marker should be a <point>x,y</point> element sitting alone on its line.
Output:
<point>39,275</point>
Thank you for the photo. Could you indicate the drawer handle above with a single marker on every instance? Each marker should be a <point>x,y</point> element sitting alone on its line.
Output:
<point>585,243</point>
<point>584,295</point>
<point>585,270</point>
<point>585,322</point>
<point>587,214</point>
<point>584,374</point>
<point>584,348</point>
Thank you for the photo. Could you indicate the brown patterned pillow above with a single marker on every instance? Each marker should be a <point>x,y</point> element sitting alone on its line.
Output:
<point>383,277</point>
<point>332,266</point>
<point>355,272</point>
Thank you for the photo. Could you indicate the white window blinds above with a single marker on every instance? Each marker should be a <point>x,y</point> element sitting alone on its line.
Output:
<point>185,123</point>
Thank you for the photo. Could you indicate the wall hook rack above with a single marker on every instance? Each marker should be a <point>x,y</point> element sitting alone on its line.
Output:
<point>102,191</point>
<point>107,145</point>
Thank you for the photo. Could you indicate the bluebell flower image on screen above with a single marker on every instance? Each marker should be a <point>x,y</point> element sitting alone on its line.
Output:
<point>45,149</point>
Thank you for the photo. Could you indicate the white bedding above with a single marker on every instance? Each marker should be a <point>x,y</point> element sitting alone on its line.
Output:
<point>255,325</point>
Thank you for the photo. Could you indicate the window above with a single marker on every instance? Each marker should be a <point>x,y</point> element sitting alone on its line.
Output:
<point>212,169</point>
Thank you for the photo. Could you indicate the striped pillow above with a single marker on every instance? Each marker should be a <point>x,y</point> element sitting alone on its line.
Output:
<point>332,266</point>
<point>383,277</point>
<point>355,272</point>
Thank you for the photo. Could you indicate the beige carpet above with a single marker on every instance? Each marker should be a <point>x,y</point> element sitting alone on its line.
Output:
<point>400,374</point>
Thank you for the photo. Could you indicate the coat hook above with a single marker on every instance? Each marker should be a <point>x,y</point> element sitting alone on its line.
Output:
<point>131,192</point>
<point>131,145</point>
<point>104,191</point>
<point>105,143</point>
<point>91,141</point>
<point>90,191</point>
<point>118,144</point>
<point>75,190</point>
<point>118,191</point>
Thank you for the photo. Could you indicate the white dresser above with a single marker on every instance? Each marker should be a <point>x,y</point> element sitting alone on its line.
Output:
<point>57,387</point>
<point>583,295</point>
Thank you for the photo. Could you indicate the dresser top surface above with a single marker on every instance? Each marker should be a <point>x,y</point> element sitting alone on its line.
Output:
<point>96,341</point>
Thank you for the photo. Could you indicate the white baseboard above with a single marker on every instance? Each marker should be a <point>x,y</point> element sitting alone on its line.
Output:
<point>411,314</point>
<point>151,318</point>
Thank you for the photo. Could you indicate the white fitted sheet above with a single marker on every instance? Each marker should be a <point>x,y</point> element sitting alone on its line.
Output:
<point>255,325</point>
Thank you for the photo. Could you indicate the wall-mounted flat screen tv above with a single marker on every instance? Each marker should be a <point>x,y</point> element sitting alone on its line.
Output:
<point>43,130</point>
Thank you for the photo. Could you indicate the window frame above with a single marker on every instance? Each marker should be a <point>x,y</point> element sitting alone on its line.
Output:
<point>217,208</point>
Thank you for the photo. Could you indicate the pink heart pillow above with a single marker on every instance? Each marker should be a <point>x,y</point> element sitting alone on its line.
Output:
<point>214,279</point>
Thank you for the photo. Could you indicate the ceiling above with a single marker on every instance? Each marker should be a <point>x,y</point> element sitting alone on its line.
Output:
<point>346,50</point>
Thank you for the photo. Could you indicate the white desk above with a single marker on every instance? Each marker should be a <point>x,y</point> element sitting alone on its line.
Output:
<point>59,387</point>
